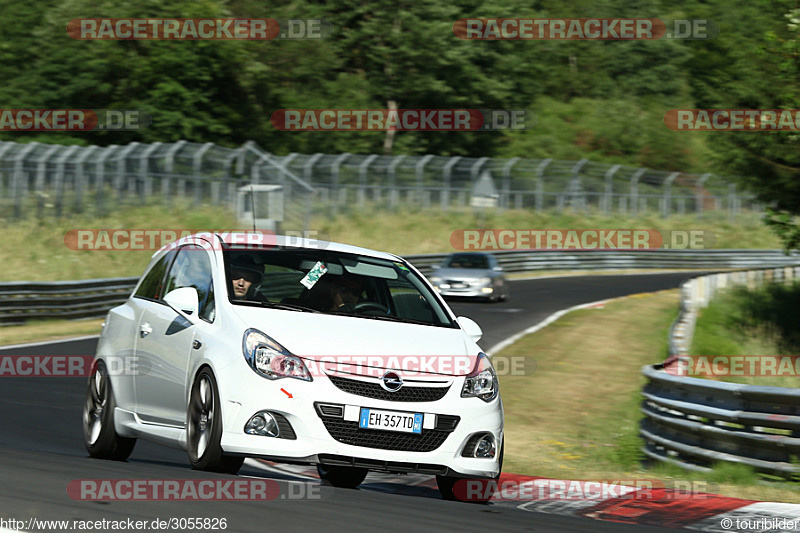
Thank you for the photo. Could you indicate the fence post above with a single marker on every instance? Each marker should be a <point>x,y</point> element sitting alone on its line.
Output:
<point>700,195</point>
<point>504,202</point>
<point>666,201</point>
<point>608,191</point>
<point>447,171</point>
<point>540,184</point>
<point>19,177</point>
<point>58,182</point>
<point>575,188</point>
<point>362,178</point>
<point>81,180</point>
<point>197,167</point>
<point>100,166</point>
<point>635,190</point>
<point>122,169</point>
<point>41,174</point>
<point>419,169</point>
<point>169,166</point>
<point>393,193</point>
<point>144,168</point>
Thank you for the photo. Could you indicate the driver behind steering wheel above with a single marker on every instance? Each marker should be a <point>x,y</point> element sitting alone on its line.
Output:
<point>346,293</point>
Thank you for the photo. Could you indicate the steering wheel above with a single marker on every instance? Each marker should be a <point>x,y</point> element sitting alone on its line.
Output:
<point>366,307</point>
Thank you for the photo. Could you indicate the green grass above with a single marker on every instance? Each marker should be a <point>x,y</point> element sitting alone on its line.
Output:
<point>743,322</point>
<point>577,416</point>
<point>36,251</point>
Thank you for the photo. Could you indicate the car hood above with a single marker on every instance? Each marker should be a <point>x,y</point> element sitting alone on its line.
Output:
<point>463,273</point>
<point>365,341</point>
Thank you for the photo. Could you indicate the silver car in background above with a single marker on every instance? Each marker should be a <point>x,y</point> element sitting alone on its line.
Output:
<point>471,275</point>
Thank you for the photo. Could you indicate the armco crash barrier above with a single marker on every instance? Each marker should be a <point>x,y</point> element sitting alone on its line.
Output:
<point>693,422</point>
<point>22,300</point>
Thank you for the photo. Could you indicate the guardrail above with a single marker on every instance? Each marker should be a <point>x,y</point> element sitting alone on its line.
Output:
<point>693,422</point>
<point>22,300</point>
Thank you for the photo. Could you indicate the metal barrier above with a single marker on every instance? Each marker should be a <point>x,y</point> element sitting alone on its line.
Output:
<point>694,422</point>
<point>22,300</point>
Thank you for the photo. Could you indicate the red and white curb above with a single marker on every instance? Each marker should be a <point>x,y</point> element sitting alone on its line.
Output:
<point>661,507</point>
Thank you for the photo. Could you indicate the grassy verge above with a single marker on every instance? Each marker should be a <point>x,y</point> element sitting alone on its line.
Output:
<point>757,322</point>
<point>46,330</point>
<point>577,415</point>
<point>35,250</point>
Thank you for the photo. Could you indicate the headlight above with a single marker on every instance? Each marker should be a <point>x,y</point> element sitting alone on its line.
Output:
<point>271,360</point>
<point>482,381</point>
<point>483,281</point>
<point>435,279</point>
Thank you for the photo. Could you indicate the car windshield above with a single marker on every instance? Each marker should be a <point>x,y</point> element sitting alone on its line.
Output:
<point>467,261</point>
<point>323,281</point>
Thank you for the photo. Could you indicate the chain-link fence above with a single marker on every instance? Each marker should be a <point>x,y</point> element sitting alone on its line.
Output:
<point>43,179</point>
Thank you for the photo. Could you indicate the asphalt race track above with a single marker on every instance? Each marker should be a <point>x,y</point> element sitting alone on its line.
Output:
<point>41,449</point>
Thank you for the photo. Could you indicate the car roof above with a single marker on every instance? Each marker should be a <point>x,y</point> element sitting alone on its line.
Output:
<point>269,239</point>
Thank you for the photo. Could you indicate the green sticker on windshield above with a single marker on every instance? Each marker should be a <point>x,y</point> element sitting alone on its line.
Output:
<point>316,272</point>
<point>401,266</point>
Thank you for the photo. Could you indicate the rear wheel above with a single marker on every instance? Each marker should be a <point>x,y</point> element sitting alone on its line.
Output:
<point>204,428</point>
<point>347,477</point>
<point>100,437</point>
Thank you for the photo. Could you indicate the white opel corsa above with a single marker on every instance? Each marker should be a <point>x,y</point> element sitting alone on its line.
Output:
<point>298,351</point>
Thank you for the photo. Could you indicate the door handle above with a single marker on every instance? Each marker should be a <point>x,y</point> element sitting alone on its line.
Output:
<point>145,330</point>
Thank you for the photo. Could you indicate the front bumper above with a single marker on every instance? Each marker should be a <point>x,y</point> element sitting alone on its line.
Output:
<point>330,440</point>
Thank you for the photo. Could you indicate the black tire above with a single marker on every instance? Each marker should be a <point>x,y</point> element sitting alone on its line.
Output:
<point>100,437</point>
<point>204,428</point>
<point>346,477</point>
<point>446,484</point>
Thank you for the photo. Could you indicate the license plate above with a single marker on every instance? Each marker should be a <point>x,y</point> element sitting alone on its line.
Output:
<point>390,420</point>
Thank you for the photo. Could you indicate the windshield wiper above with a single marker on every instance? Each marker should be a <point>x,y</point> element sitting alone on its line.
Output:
<point>280,305</point>
<point>392,318</point>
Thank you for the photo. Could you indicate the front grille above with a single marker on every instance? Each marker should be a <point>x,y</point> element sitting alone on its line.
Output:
<point>285,429</point>
<point>371,389</point>
<point>349,433</point>
<point>384,466</point>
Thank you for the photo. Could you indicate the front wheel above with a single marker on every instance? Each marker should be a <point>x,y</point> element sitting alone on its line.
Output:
<point>347,477</point>
<point>99,435</point>
<point>204,428</point>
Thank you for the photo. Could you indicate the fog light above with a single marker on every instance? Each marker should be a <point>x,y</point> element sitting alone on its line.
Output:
<point>485,449</point>
<point>263,424</point>
<point>487,290</point>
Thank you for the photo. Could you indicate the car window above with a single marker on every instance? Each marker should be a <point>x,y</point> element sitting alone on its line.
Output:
<point>468,261</point>
<point>152,283</point>
<point>341,283</point>
<point>192,268</point>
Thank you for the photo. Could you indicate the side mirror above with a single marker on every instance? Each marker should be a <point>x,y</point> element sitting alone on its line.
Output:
<point>183,300</point>
<point>470,327</point>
